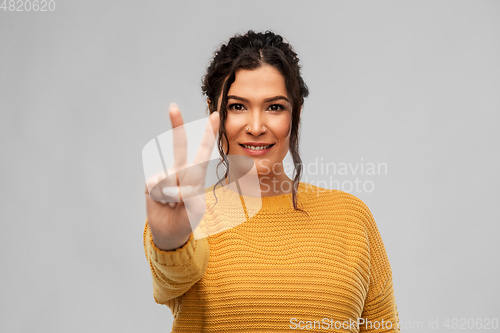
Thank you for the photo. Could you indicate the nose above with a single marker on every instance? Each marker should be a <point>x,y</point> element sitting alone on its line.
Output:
<point>256,124</point>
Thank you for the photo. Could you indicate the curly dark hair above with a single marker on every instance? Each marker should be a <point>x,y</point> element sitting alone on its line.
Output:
<point>250,51</point>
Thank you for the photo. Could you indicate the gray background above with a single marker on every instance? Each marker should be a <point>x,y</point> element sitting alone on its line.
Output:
<point>413,84</point>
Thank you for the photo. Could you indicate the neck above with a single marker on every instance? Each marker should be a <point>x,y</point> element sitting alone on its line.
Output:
<point>269,184</point>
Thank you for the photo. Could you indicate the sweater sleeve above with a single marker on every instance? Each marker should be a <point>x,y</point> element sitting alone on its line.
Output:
<point>380,313</point>
<point>175,272</point>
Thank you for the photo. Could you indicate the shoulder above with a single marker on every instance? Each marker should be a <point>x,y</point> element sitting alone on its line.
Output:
<point>339,202</point>
<point>320,194</point>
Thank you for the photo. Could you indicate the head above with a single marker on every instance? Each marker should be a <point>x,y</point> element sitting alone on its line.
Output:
<point>244,73</point>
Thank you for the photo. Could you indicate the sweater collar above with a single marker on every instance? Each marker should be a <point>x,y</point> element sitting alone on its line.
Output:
<point>254,205</point>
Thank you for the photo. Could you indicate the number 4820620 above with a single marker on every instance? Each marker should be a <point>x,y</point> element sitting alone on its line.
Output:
<point>28,5</point>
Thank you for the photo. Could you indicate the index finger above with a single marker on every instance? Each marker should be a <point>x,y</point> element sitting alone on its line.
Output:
<point>179,137</point>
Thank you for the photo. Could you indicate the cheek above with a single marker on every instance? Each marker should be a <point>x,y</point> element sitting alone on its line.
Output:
<point>282,128</point>
<point>231,127</point>
<point>232,131</point>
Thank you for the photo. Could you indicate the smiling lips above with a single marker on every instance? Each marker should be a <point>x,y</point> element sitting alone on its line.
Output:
<point>256,148</point>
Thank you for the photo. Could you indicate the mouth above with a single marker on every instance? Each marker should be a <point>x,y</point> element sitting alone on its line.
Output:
<point>257,147</point>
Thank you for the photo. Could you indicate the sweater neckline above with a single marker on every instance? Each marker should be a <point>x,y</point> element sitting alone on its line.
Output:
<point>271,203</point>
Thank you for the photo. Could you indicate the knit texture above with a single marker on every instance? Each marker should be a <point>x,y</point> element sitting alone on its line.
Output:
<point>324,265</point>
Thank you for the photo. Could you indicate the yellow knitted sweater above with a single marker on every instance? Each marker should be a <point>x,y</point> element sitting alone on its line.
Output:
<point>323,268</point>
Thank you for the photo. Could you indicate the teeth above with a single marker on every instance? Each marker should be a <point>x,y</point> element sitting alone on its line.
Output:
<point>257,147</point>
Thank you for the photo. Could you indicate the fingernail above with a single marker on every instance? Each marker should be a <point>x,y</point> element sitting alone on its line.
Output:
<point>173,106</point>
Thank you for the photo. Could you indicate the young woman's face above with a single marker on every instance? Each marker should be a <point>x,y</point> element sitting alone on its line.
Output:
<point>259,116</point>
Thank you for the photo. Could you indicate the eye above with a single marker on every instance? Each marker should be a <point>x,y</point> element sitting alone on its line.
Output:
<point>236,107</point>
<point>276,107</point>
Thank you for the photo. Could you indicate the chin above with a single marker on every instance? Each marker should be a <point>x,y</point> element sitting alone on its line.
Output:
<point>264,170</point>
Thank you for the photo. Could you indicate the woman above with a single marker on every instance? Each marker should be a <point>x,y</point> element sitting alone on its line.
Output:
<point>307,258</point>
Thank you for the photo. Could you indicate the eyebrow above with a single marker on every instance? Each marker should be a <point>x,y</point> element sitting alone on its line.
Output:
<point>267,100</point>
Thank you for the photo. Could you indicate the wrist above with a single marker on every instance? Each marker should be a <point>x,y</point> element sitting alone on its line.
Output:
<point>171,244</point>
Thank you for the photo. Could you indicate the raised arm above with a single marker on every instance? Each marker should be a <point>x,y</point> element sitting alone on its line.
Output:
<point>176,204</point>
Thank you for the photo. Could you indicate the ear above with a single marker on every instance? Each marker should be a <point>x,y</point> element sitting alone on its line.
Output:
<point>208,103</point>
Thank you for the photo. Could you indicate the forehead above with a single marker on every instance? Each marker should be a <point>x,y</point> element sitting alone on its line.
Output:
<point>263,82</point>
